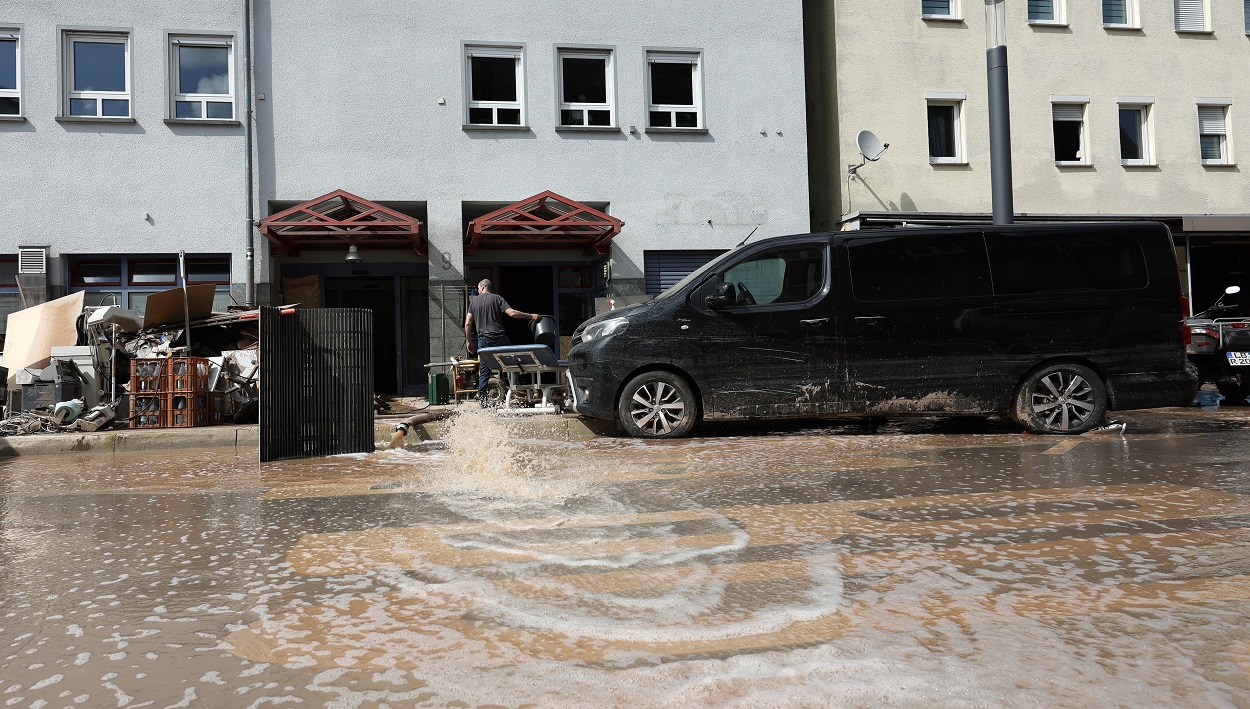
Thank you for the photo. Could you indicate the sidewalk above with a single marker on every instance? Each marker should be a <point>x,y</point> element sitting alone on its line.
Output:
<point>245,439</point>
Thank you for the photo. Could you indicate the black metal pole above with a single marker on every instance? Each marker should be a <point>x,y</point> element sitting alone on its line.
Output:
<point>1000,135</point>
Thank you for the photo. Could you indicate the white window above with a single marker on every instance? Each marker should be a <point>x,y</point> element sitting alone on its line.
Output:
<point>1136,140</point>
<point>97,74</point>
<point>203,77</point>
<point>1046,12</point>
<point>1119,13</point>
<point>1191,16</point>
<point>1213,134</point>
<point>586,90</point>
<point>10,72</point>
<point>946,135</point>
<point>494,85</point>
<point>1071,139</point>
<point>939,9</point>
<point>674,89</point>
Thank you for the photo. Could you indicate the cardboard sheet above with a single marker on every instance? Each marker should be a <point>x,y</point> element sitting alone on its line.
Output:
<point>165,308</point>
<point>34,331</point>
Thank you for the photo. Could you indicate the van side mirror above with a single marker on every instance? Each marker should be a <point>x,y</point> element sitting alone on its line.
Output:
<point>722,297</point>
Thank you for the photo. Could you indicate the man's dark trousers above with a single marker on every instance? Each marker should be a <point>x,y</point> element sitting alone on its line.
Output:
<point>484,372</point>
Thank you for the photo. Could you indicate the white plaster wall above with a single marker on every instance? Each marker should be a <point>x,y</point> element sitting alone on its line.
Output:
<point>888,58</point>
<point>85,187</point>
<point>352,102</point>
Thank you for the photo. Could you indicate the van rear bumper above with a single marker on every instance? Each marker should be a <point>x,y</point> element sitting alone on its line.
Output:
<point>1152,390</point>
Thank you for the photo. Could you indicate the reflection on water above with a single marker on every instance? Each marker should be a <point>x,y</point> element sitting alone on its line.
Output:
<point>817,567</point>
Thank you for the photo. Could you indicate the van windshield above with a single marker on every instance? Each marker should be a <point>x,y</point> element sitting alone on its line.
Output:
<point>694,276</point>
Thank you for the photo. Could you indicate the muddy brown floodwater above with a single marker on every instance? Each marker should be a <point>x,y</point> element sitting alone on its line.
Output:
<point>946,564</point>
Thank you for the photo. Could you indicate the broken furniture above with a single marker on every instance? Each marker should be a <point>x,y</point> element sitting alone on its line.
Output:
<point>535,377</point>
<point>58,382</point>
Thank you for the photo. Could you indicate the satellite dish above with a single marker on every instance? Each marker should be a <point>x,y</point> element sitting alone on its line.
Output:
<point>870,149</point>
<point>870,146</point>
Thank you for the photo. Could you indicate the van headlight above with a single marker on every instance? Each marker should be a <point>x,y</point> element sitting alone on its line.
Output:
<point>607,328</point>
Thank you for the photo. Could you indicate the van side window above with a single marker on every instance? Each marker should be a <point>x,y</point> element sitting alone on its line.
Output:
<point>904,268</point>
<point>790,276</point>
<point>1081,260</point>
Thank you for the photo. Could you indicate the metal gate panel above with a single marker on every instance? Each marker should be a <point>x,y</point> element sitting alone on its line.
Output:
<point>316,382</point>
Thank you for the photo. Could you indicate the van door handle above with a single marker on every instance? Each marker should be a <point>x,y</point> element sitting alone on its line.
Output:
<point>814,321</point>
<point>872,320</point>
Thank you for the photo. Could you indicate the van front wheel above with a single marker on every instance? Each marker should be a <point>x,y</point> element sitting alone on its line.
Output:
<point>1061,398</point>
<point>657,404</point>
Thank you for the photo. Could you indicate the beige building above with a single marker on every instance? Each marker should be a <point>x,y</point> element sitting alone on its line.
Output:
<point>1119,109</point>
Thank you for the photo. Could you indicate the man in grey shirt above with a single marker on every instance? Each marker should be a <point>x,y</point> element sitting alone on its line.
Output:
<point>486,312</point>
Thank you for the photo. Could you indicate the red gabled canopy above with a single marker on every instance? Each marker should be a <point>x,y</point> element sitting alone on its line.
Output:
<point>338,220</point>
<point>544,221</point>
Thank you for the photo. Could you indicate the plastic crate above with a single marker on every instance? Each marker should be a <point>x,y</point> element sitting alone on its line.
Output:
<point>147,411</point>
<point>189,374</point>
<point>147,376</point>
<point>191,409</point>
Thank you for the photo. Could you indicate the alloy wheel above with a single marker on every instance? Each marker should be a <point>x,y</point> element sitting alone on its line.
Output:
<point>657,408</point>
<point>1064,400</point>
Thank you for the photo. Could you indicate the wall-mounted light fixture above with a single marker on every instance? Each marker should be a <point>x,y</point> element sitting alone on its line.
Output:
<point>353,255</point>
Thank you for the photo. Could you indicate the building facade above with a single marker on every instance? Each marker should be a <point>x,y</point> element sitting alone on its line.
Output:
<point>1119,109</point>
<point>136,130</point>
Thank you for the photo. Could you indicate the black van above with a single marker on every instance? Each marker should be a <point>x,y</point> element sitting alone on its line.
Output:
<point>1048,324</point>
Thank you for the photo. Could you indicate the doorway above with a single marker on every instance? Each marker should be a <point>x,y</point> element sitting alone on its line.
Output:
<point>528,289</point>
<point>378,295</point>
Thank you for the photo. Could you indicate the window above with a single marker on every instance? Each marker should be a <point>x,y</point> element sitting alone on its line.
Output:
<point>128,281</point>
<point>1024,264</point>
<point>1069,130</point>
<point>939,9</point>
<point>10,298</point>
<point>1135,139</point>
<point>945,128</point>
<point>203,78</point>
<point>1191,16</point>
<point>1119,13</point>
<point>495,86</point>
<point>906,268</point>
<point>1246,13</point>
<point>97,75</point>
<point>585,80</point>
<point>664,269</point>
<point>788,276</point>
<point>10,73</point>
<point>674,90</point>
<point>1213,134</point>
<point>1046,12</point>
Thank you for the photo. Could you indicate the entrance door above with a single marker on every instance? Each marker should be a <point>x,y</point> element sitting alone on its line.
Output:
<point>530,289</point>
<point>376,294</point>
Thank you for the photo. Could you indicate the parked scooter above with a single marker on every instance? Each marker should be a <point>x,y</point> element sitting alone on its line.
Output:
<point>1220,349</point>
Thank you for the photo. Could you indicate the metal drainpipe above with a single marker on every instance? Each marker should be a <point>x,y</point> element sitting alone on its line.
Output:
<point>249,282</point>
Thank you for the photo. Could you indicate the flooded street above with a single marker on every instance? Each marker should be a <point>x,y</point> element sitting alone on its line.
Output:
<point>932,563</point>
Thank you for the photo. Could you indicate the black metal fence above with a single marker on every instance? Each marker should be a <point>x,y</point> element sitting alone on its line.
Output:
<point>316,382</point>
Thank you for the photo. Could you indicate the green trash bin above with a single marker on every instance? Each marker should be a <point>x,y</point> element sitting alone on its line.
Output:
<point>438,392</point>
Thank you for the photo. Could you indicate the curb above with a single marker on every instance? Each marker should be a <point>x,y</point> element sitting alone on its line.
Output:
<point>245,440</point>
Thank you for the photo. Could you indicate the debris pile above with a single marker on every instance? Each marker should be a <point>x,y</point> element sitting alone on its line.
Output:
<point>74,368</point>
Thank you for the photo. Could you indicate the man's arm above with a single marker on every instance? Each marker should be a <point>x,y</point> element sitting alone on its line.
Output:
<point>514,313</point>
<point>468,331</point>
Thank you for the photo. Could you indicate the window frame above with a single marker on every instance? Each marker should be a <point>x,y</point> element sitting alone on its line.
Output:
<point>1145,107</point>
<point>955,100</point>
<point>1226,147</point>
<point>1086,159</point>
<point>675,55</point>
<point>1060,11</point>
<point>1132,15</point>
<point>69,37</point>
<point>14,32</point>
<point>515,51</point>
<point>606,53</point>
<point>1206,18</point>
<point>954,15</point>
<point>175,40</point>
<point>125,287</point>
<point>717,277</point>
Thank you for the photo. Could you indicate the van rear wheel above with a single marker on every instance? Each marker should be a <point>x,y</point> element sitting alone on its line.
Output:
<point>1062,398</point>
<point>658,404</point>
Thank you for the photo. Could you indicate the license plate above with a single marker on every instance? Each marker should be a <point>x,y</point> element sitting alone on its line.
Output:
<point>1241,359</point>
